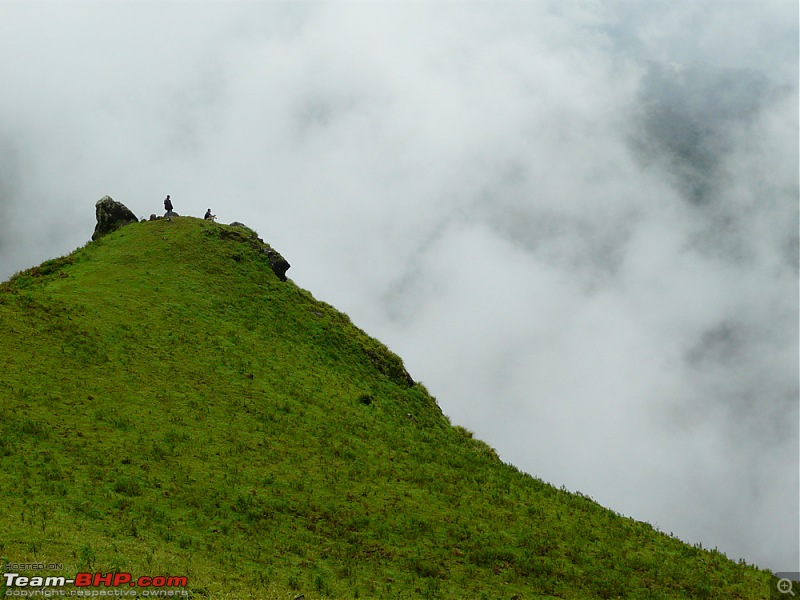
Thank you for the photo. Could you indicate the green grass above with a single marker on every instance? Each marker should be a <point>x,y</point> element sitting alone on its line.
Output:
<point>171,407</point>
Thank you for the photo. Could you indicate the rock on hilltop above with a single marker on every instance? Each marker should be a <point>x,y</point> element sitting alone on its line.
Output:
<point>111,215</point>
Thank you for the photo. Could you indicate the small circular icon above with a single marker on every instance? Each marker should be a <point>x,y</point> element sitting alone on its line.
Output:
<point>785,586</point>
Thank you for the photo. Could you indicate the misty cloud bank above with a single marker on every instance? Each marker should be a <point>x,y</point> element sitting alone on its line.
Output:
<point>577,223</point>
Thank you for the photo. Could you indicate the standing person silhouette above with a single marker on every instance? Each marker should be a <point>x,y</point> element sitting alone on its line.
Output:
<point>168,207</point>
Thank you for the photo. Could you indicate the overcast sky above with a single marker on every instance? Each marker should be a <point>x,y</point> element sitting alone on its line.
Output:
<point>576,221</point>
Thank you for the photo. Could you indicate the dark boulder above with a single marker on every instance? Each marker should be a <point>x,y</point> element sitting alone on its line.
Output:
<point>243,233</point>
<point>111,215</point>
<point>276,261</point>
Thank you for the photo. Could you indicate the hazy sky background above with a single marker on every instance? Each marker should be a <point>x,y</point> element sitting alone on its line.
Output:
<point>576,221</point>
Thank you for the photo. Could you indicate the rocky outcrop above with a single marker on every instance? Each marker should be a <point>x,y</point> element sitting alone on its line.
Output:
<point>276,261</point>
<point>154,217</point>
<point>278,264</point>
<point>111,215</point>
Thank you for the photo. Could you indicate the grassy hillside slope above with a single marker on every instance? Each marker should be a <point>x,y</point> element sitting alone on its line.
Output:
<point>170,407</point>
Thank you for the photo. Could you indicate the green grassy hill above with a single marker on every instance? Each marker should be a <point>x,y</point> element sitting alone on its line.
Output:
<point>170,407</point>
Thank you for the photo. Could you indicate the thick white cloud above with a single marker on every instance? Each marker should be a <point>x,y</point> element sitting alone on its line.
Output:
<point>576,221</point>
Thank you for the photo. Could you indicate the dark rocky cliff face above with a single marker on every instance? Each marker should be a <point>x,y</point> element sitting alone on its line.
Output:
<point>278,264</point>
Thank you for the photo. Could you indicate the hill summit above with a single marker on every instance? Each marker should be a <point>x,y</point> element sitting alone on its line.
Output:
<point>175,406</point>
